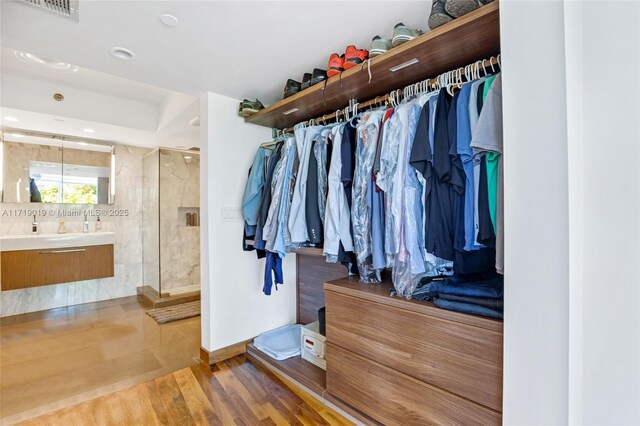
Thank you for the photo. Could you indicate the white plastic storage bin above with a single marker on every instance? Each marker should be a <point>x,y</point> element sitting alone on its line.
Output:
<point>313,344</point>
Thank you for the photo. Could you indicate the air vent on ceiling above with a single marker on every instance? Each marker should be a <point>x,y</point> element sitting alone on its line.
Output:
<point>67,8</point>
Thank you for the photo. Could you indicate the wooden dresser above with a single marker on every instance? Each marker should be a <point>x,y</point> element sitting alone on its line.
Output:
<point>407,362</point>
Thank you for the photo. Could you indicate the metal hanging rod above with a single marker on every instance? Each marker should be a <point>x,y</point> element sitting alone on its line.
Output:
<point>444,80</point>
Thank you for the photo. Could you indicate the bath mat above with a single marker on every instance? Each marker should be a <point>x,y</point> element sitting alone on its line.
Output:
<point>175,312</point>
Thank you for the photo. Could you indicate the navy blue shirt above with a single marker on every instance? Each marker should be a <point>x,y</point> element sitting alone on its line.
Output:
<point>348,154</point>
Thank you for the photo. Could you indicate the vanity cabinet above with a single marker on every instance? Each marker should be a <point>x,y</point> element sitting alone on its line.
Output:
<point>40,267</point>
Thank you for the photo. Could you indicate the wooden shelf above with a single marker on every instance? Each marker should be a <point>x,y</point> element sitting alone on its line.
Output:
<point>309,251</point>
<point>296,369</point>
<point>380,293</point>
<point>314,379</point>
<point>455,44</point>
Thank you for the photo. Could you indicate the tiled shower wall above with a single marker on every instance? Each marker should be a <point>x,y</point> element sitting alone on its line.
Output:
<point>128,246</point>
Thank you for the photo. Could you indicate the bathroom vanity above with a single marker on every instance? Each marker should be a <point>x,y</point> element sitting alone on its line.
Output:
<point>38,260</point>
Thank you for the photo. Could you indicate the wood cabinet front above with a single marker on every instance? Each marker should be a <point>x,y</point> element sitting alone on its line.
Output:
<point>35,268</point>
<point>454,356</point>
<point>391,397</point>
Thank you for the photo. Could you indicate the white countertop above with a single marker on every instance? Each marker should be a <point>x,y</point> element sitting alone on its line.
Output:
<point>47,241</point>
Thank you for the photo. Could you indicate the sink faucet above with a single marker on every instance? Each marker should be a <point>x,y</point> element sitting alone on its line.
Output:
<point>61,226</point>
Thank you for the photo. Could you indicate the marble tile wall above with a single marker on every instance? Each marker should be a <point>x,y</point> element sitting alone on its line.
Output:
<point>128,247</point>
<point>151,220</point>
<point>179,244</point>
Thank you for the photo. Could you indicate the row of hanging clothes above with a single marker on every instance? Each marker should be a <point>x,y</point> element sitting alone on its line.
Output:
<point>413,185</point>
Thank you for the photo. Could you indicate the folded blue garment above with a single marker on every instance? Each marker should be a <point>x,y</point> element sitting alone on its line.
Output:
<point>467,308</point>
<point>493,287</point>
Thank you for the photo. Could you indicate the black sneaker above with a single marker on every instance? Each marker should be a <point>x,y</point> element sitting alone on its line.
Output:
<point>248,107</point>
<point>306,80</point>
<point>318,76</point>
<point>292,87</point>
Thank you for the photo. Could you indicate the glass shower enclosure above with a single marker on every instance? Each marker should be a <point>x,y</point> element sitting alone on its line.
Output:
<point>171,222</point>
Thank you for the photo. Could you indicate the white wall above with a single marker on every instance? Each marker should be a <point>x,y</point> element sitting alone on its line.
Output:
<point>233,305</point>
<point>536,214</point>
<point>572,209</point>
<point>604,156</point>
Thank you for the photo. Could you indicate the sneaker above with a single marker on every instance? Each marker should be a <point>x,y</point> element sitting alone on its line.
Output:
<point>379,45</point>
<point>402,34</point>
<point>439,15</point>
<point>248,107</point>
<point>306,80</point>
<point>336,64</point>
<point>458,8</point>
<point>292,87</point>
<point>353,56</point>
<point>318,76</point>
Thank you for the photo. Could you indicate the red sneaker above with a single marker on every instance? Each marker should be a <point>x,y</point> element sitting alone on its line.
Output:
<point>336,65</point>
<point>354,56</point>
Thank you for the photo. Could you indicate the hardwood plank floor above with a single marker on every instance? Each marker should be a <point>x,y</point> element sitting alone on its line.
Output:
<point>61,357</point>
<point>233,392</point>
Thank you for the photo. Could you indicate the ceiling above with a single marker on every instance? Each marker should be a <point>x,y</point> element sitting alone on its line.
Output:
<point>241,49</point>
<point>115,108</point>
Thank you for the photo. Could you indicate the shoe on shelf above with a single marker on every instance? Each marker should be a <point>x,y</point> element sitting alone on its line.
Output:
<point>458,8</point>
<point>292,87</point>
<point>439,15</point>
<point>353,56</point>
<point>318,76</point>
<point>306,81</point>
<point>379,46</point>
<point>336,65</point>
<point>402,34</point>
<point>248,107</point>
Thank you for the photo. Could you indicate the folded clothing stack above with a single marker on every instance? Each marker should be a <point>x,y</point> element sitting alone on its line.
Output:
<point>281,343</point>
<point>477,294</point>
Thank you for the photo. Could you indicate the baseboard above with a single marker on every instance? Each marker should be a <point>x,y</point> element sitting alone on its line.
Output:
<point>150,297</point>
<point>224,353</point>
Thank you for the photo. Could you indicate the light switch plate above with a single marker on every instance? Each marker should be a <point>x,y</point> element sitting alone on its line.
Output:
<point>232,214</point>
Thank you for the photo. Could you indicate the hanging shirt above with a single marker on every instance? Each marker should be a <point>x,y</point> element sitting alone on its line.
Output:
<point>488,136</point>
<point>276,223</point>
<point>265,199</point>
<point>348,153</point>
<point>463,136</point>
<point>337,228</point>
<point>473,121</point>
<point>297,217</point>
<point>253,189</point>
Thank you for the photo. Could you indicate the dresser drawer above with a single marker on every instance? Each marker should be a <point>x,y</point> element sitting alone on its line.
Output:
<point>35,268</point>
<point>460,358</point>
<point>394,398</point>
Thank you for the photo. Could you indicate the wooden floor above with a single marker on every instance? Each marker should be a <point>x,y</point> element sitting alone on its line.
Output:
<point>233,392</point>
<point>61,357</point>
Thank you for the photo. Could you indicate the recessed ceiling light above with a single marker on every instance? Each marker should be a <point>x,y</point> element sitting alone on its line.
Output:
<point>15,135</point>
<point>188,157</point>
<point>46,64</point>
<point>83,143</point>
<point>88,130</point>
<point>169,20</point>
<point>11,119</point>
<point>122,53</point>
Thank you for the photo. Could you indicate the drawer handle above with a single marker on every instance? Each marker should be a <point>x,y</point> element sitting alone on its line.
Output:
<point>63,251</point>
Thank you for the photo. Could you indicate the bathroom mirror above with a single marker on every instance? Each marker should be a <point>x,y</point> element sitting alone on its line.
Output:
<point>51,169</point>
